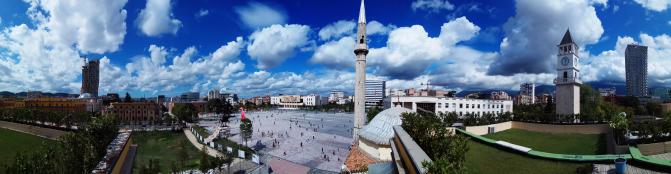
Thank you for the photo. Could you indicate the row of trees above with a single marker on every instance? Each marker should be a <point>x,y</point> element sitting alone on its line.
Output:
<point>447,149</point>
<point>652,131</point>
<point>593,109</point>
<point>76,152</point>
<point>48,118</point>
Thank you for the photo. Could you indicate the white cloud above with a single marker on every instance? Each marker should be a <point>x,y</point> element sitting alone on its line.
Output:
<point>257,15</point>
<point>377,28</point>
<point>337,29</point>
<point>264,83</point>
<point>157,19</point>
<point>152,74</point>
<point>533,33</point>
<point>202,13</point>
<point>272,45</point>
<point>655,5</point>
<point>432,5</point>
<point>335,54</point>
<point>45,55</point>
<point>86,25</point>
<point>410,50</point>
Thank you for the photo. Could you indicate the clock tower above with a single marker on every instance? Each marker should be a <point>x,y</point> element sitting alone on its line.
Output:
<point>568,81</point>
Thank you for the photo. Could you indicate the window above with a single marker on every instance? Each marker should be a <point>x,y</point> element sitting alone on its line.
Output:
<point>565,74</point>
<point>361,40</point>
<point>440,105</point>
<point>467,105</point>
<point>461,105</point>
<point>447,105</point>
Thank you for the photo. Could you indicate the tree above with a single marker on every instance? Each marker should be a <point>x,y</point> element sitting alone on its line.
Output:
<point>246,129</point>
<point>182,154</point>
<point>214,105</point>
<point>127,99</point>
<point>372,112</point>
<point>204,159</point>
<point>444,146</point>
<point>184,111</point>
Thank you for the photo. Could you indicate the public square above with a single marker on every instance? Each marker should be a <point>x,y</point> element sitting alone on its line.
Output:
<point>314,139</point>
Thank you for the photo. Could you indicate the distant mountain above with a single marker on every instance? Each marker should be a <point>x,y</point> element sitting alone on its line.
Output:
<point>44,94</point>
<point>620,89</point>
<point>486,92</point>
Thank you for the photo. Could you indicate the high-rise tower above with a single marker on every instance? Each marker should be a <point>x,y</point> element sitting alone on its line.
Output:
<point>568,81</point>
<point>90,77</point>
<point>636,67</point>
<point>361,50</point>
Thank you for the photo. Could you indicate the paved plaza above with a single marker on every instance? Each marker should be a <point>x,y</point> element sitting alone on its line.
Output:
<point>315,139</point>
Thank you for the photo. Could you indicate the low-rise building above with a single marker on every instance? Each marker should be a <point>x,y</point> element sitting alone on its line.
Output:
<point>135,112</point>
<point>295,101</point>
<point>461,106</point>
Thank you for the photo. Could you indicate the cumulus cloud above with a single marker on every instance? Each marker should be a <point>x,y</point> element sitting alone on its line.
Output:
<point>335,54</point>
<point>272,45</point>
<point>410,50</point>
<point>153,74</point>
<point>532,34</point>
<point>654,5</point>
<point>610,65</point>
<point>337,29</point>
<point>85,25</point>
<point>157,19</point>
<point>45,55</point>
<point>257,15</point>
<point>432,5</point>
<point>264,83</point>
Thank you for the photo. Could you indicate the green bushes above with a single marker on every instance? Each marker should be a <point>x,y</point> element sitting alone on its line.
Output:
<point>448,150</point>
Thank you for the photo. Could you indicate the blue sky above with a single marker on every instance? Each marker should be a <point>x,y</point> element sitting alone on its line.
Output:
<point>268,47</point>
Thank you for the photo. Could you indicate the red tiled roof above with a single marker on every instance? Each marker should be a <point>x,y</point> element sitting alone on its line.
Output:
<point>358,160</point>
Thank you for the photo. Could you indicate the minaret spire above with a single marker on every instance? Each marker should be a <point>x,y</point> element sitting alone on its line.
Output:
<point>360,50</point>
<point>362,13</point>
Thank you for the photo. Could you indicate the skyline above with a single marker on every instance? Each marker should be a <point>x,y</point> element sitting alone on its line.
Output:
<point>168,47</point>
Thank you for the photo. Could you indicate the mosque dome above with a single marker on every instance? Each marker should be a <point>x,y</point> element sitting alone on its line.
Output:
<point>379,130</point>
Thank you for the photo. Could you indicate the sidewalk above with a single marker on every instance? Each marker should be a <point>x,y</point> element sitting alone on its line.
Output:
<point>237,164</point>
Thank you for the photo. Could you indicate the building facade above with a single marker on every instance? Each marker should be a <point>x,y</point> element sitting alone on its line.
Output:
<point>135,112</point>
<point>636,68</point>
<point>90,77</point>
<point>374,93</point>
<point>335,96</point>
<point>568,79</point>
<point>189,97</point>
<point>460,106</point>
<point>296,101</point>
<point>527,94</point>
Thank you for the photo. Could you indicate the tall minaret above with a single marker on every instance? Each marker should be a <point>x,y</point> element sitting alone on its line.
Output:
<point>361,50</point>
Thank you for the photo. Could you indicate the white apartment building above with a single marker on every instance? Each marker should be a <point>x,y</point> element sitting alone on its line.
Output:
<point>461,106</point>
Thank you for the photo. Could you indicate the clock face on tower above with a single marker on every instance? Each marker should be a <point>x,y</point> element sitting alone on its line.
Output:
<point>565,61</point>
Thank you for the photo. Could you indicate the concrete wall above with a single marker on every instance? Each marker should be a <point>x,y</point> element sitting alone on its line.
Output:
<point>655,148</point>
<point>379,152</point>
<point>536,127</point>
<point>483,130</point>
<point>564,129</point>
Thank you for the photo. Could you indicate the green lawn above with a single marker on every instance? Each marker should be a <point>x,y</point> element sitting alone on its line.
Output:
<point>12,142</point>
<point>166,147</point>
<point>483,159</point>
<point>577,144</point>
